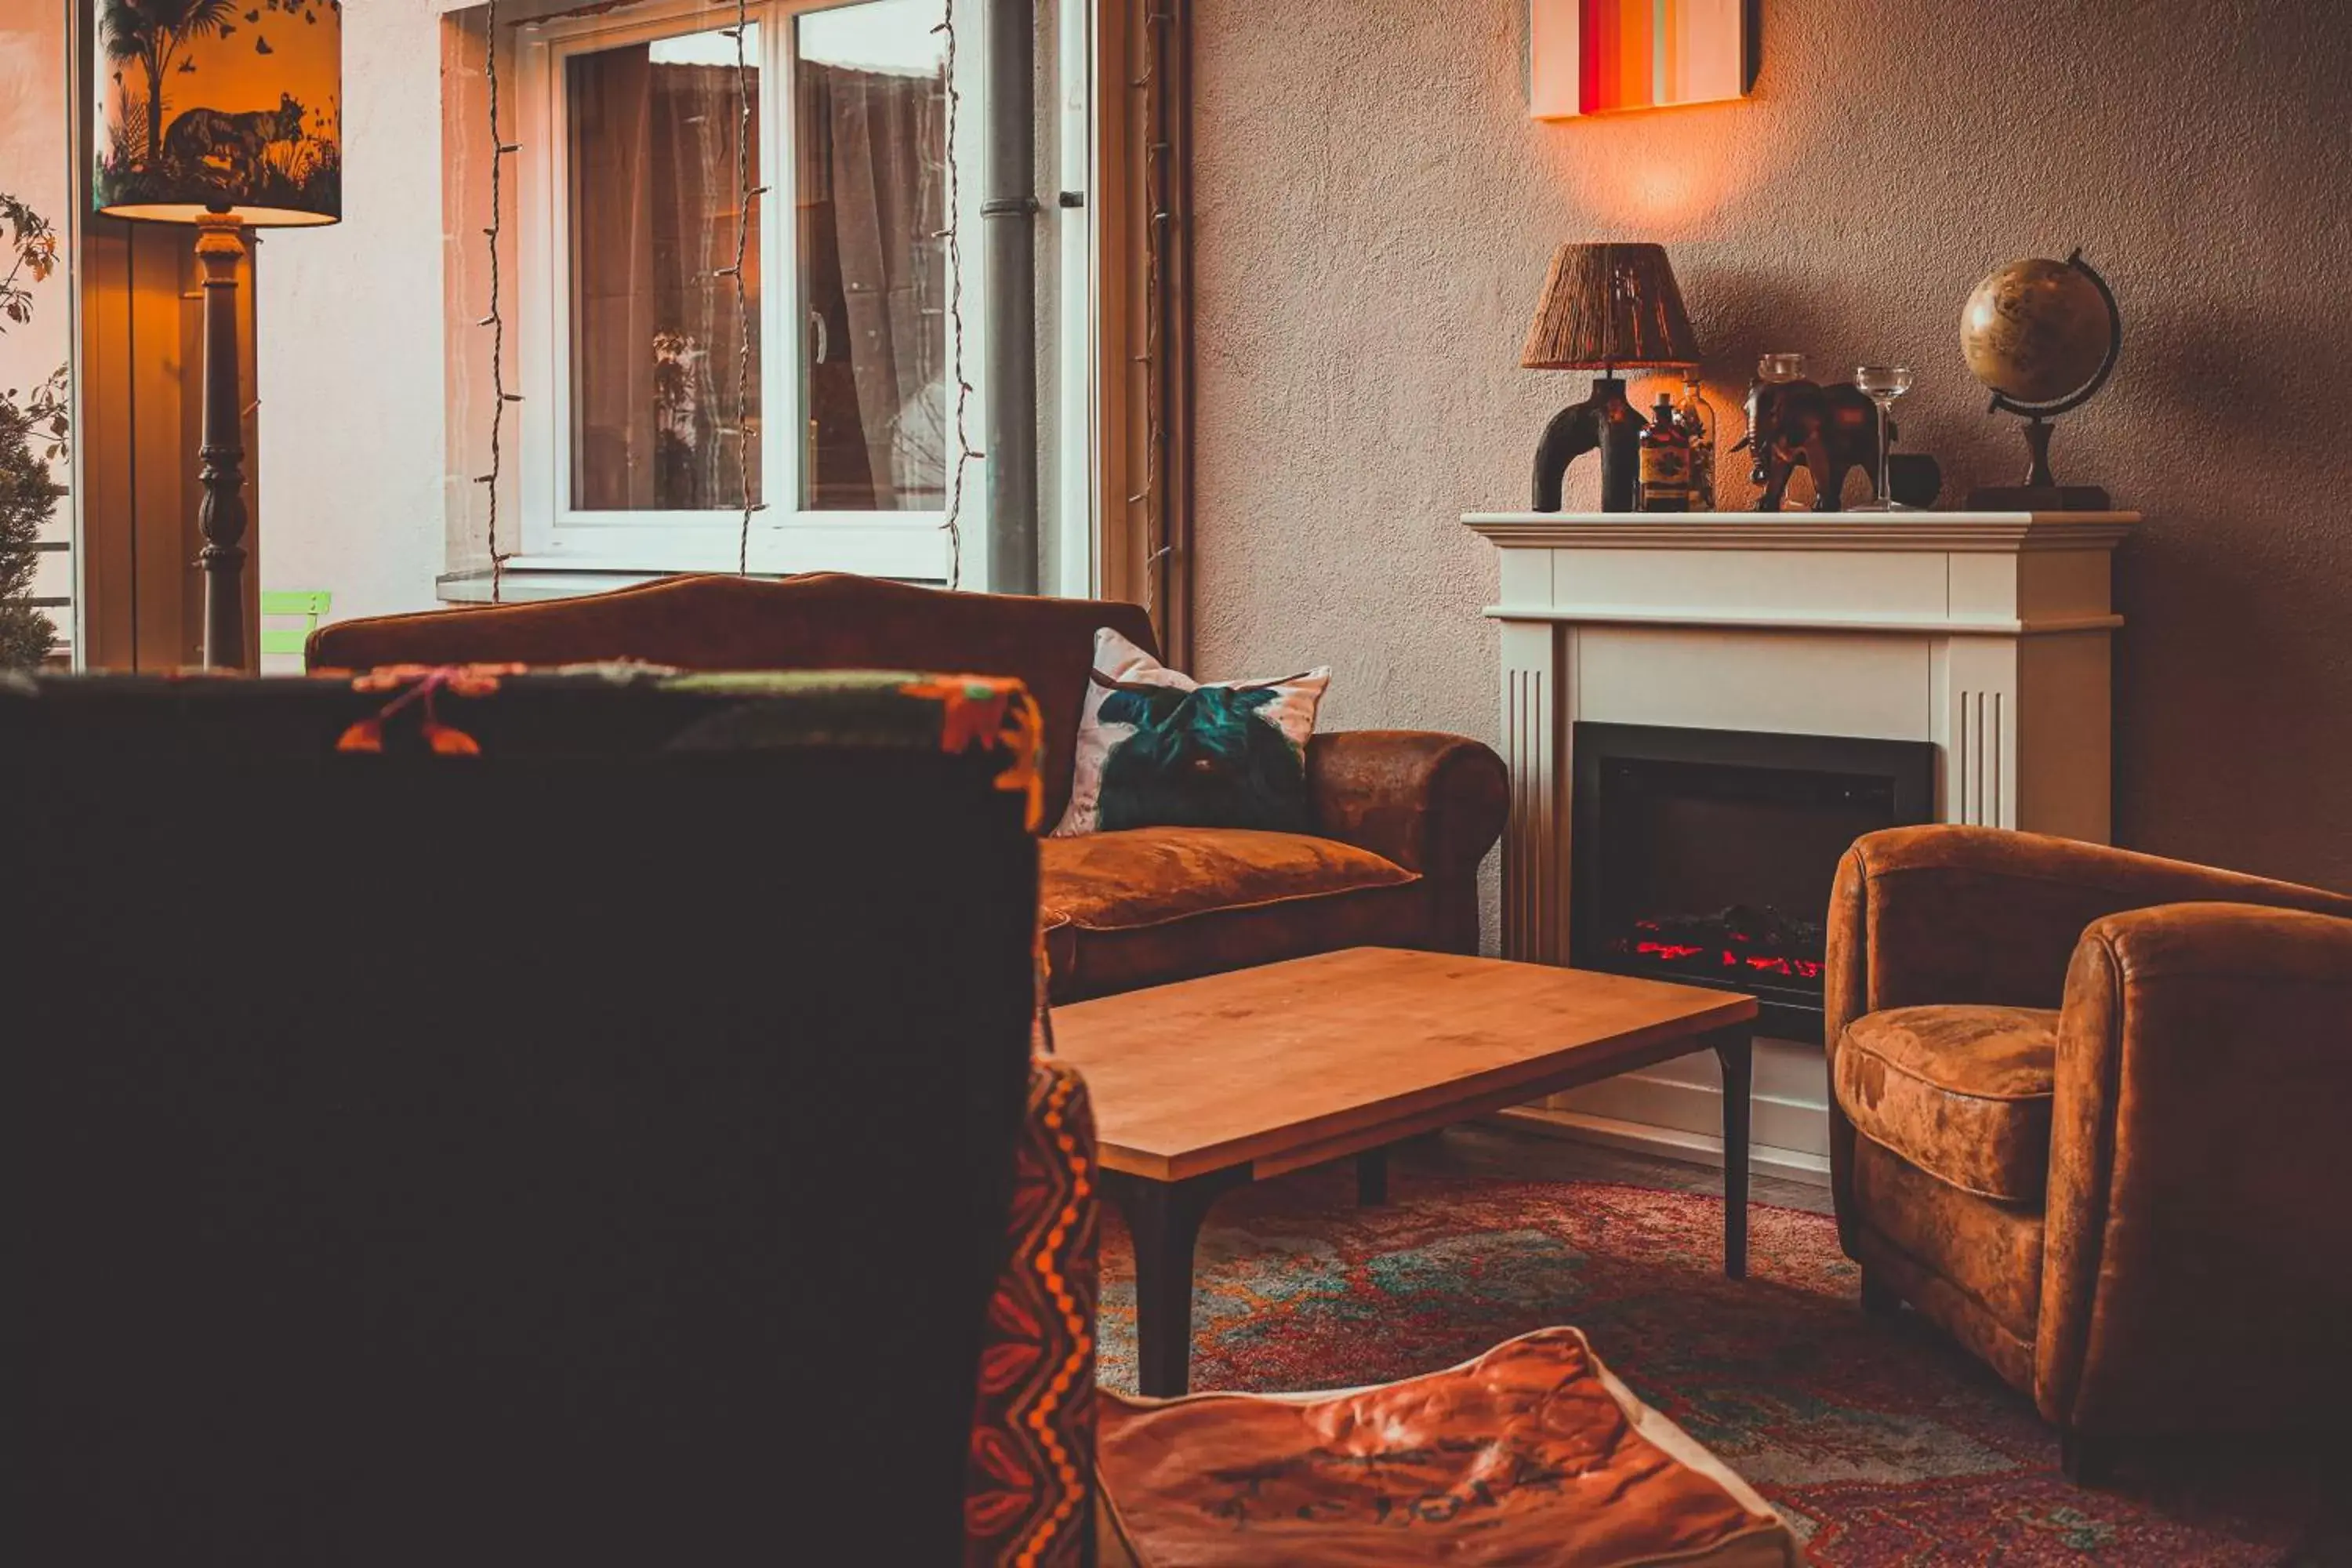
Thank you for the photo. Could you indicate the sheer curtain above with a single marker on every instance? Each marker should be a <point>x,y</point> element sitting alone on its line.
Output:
<point>655,333</point>
<point>874,202</point>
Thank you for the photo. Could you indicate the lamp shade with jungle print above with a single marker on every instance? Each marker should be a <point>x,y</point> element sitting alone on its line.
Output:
<point>226,114</point>
<point>220,106</point>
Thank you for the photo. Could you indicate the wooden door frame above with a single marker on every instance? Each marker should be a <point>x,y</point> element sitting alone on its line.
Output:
<point>1145,212</point>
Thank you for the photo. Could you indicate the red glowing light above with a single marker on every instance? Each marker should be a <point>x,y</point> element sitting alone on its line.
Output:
<point>1722,944</point>
<point>1794,968</point>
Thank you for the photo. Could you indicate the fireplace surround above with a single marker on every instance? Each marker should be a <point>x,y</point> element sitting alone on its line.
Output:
<point>1980,637</point>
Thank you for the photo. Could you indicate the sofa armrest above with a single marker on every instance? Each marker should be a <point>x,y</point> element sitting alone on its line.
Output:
<point>2194,1274</point>
<point>1434,803</point>
<point>1945,914</point>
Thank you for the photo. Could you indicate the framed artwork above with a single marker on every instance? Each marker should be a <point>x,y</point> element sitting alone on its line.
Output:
<point>1596,56</point>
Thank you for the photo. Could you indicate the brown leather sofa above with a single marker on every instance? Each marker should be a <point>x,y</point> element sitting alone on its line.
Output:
<point>1405,816</point>
<point>2089,1116</point>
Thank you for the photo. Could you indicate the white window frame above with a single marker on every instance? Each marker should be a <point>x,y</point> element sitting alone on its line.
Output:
<point>784,537</point>
<point>1080,328</point>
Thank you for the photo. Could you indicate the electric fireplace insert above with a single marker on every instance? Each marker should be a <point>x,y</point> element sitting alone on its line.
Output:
<point>1706,856</point>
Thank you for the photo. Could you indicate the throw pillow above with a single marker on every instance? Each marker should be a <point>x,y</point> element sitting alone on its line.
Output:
<point>1158,749</point>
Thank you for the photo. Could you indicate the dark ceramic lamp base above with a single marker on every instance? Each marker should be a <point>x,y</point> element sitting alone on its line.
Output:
<point>1604,423</point>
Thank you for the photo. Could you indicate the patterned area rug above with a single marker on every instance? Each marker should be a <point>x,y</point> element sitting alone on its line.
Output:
<point>1880,1441</point>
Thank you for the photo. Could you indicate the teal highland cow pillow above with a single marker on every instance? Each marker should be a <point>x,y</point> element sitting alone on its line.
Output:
<point>1157,749</point>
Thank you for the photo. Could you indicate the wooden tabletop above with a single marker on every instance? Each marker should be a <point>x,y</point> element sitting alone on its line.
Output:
<point>1291,1064</point>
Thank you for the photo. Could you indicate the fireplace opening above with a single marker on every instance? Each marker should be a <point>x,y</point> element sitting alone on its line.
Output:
<point>1706,856</point>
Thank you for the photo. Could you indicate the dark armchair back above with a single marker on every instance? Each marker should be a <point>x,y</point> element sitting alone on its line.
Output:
<point>826,620</point>
<point>594,1150</point>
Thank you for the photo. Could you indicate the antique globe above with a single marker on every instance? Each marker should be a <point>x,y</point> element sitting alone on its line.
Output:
<point>2044,335</point>
<point>2037,330</point>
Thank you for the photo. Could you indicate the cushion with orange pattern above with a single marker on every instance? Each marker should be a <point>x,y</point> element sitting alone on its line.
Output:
<point>1026,1495</point>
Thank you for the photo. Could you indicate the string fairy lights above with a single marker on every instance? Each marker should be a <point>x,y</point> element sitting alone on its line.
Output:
<point>1149,85</point>
<point>953,524</point>
<point>745,193</point>
<point>500,151</point>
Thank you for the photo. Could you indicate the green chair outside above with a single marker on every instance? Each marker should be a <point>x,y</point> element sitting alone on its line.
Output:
<point>308,604</point>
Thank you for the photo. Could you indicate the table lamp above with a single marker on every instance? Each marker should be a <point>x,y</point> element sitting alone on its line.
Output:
<point>1606,307</point>
<point>226,116</point>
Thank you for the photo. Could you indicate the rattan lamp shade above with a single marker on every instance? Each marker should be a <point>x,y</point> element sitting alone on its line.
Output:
<point>204,106</point>
<point>1607,307</point>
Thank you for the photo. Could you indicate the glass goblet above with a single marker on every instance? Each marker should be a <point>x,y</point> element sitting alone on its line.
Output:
<point>1883,383</point>
<point>1776,368</point>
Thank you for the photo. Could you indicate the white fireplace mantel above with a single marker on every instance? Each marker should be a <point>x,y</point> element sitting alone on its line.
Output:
<point>1984,633</point>
<point>1986,574</point>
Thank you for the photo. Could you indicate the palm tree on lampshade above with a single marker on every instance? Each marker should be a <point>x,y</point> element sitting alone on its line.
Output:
<point>151,34</point>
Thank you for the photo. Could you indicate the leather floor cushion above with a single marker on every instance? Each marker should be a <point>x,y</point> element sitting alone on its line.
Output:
<point>1533,1453</point>
<point>1147,905</point>
<point>1961,1092</point>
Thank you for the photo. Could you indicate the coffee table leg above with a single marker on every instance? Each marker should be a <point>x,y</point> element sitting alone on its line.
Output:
<point>1164,1220</point>
<point>1372,1177</point>
<point>1736,1049</point>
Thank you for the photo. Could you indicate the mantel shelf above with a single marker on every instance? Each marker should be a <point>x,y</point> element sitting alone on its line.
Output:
<point>1811,621</point>
<point>1942,532</point>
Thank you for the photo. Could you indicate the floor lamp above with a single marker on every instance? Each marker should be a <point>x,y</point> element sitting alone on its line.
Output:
<point>229,117</point>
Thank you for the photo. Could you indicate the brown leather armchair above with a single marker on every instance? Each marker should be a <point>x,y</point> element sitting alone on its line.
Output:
<point>2089,1115</point>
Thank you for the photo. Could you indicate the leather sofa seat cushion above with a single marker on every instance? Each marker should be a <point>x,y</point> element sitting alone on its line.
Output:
<point>1533,1453</point>
<point>1962,1092</point>
<point>1147,905</point>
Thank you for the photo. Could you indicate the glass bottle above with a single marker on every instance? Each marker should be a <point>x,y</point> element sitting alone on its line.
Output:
<point>1665,461</point>
<point>1696,417</point>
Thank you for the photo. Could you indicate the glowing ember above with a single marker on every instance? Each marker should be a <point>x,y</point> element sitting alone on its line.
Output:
<point>1761,941</point>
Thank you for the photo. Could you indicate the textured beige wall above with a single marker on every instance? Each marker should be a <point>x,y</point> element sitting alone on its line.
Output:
<point>1376,211</point>
<point>350,376</point>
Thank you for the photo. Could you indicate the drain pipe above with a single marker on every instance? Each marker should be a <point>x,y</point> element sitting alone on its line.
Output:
<point>1008,214</point>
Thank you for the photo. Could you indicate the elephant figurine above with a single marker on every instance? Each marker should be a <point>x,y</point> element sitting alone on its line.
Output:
<point>1827,430</point>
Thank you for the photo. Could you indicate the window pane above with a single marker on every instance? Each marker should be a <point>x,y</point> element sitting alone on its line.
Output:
<point>873,194</point>
<point>657,337</point>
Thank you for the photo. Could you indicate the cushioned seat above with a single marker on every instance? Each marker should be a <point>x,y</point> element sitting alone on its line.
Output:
<point>1533,1453</point>
<point>1961,1092</point>
<point>1148,905</point>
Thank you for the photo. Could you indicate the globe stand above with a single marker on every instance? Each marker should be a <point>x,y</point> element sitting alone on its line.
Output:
<point>2041,492</point>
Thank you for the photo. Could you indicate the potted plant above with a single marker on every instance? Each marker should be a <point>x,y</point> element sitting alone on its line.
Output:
<point>32,432</point>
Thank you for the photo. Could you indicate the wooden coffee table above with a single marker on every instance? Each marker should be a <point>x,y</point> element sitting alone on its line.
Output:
<point>1206,1085</point>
